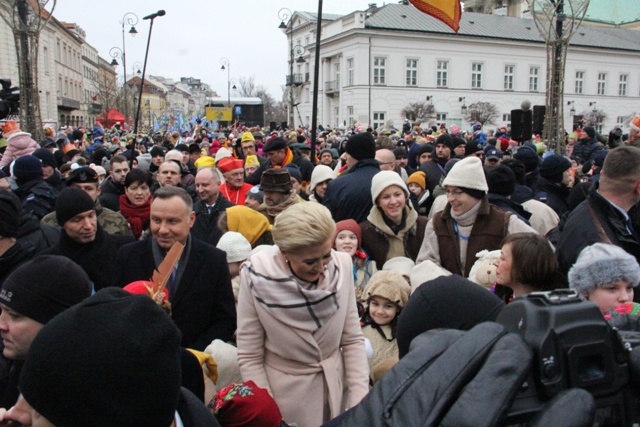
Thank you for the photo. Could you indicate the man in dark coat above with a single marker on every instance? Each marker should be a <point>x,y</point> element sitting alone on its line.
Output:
<point>83,240</point>
<point>200,293</point>
<point>434,168</point>
<point>587,146</point>
<point>35,195</point>
<point>113,187</point>
<point>12,253</point>
<point>208,206</point>
<point>606,215</point>
<point>502,181</point>
<point>552,187</point>
<point>348,196</point>
<point>279,155</point>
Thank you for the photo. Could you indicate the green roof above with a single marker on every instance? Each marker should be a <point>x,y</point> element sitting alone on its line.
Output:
<point>616,12</point>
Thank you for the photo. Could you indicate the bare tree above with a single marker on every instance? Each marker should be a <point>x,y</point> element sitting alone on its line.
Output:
<point>594,117</point>
<point>418,111</point>
<point>27,18</point>
<point>483,112</point>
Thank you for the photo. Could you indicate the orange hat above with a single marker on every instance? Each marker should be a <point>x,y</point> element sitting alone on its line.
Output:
<point>419,178</point>
<point>227,164</point>
<point>9,128</point>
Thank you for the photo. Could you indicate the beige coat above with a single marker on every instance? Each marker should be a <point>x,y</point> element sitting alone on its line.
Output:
<point>306,373</point>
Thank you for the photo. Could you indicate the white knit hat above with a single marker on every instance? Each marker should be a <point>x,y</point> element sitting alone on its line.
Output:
<point>385,179</point>
<point>222,153</point>
<point>602,264</point>
<point>320,173</point>
<point>467,173</point>
<point>235,245</point>
<point>399,264</point>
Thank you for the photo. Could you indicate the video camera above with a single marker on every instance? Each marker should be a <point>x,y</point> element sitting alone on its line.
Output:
<point>573,347</point>
<point>9,99</point>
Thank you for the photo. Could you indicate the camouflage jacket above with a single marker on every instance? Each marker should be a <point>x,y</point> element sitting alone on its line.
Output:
<point>110,221</point>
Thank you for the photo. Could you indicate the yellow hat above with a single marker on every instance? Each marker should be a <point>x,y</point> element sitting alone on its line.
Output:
<point>251,160</point>
<point>248,222</point>
<point>419,178</point>
<point>247,136</point>
<point>205,162</point>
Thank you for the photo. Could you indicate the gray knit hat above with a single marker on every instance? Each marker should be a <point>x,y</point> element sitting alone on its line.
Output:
<point>601,264</point>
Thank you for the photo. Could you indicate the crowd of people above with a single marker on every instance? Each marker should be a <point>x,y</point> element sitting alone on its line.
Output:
<point>240,277</point>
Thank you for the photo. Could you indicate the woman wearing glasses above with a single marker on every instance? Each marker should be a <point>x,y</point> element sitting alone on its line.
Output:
<point>468,223</point>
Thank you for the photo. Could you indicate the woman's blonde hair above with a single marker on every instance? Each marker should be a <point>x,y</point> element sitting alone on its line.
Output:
<point>303,225</point>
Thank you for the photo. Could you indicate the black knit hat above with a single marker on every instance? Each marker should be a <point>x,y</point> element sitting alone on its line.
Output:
<point>82,175</point>
<point>276,180</point>
<point>27,168</point>
<point>501,180</point>
<point>156,150</point>
<point>448,302</point>
<point>553,166</point>
<point>70,202</point>
<point>472,147</point>
<point>112,360</point>
<point>361,146</point>
<point>445,139</point>
<point>10,210</point>
<point>274,145</point>
<point>46,157</point>
<point>44,287</point>
<point>528,157</point>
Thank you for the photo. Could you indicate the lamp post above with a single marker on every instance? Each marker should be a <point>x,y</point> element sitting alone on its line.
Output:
<point>284,14</point>
<point>225,65</point>
<point>572,111</point>
<point>144,67</point>
<point>131,19</point>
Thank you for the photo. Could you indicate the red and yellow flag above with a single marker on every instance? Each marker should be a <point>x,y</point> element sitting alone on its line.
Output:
<point>447,11</point>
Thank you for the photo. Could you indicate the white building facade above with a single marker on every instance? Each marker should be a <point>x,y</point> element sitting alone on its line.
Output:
<point>376,62</point>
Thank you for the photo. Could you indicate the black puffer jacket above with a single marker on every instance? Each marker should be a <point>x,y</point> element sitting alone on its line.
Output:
<point>585,150</point>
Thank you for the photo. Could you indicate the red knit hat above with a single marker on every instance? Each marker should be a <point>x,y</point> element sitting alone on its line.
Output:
<point>245,404</point>
<point>228,164</point>
<point>351,225</point>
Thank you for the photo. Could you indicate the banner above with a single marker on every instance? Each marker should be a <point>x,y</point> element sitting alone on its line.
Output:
<point>215,114</point>
<point>447,11</point>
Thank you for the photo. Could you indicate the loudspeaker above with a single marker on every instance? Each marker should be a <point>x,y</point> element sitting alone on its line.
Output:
<point>521,125</point>
<point>272,126</point>
<point>538,118</point>
<point>284,125</point>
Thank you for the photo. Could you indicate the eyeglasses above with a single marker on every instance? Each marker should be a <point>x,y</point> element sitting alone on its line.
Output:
<point>454,194</point>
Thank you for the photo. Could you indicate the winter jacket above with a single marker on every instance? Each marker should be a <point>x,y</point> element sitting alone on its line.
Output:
<point>554,195</point>
<point>110,221</point>
<point>305,166</point>
<point>36,196</point>
<point>585,150</point>
<point>205,226</point>
<point>110,194</point>
<point>18,144</point>
<point>349,195</point>
<point>508,205</point>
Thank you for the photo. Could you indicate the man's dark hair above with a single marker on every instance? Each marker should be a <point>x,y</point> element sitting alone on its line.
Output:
<point>165,193</point>
<point>117,159</point>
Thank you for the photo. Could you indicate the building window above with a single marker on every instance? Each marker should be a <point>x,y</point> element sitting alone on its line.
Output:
<point>506,117</point>
<point>47,105</point>
<point>508,76</point>
<point>412,72</point>
<point>441,118</point>
<point>350,118</point>
<point>379,71</point>
<point>305,97</point>
<point>622,85</point>
<point>579,82</point>
<point>45,59</point>
<point>476,75</point>
<point>350,72</point>
<point>602,83</point>
<point>620,120</point>
<point>534,75</point>
<point>378,120</point>
<point>337,69</point>
<point>442,74</point>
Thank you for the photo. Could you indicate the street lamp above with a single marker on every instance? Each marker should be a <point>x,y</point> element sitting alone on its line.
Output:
<point>131,19</point>
<point>284,14</point>
<point>572,111</point>
<point>463,109</point>
<point>225,65</point>
<point>593,104</point>
<point>115,52</point>
<point>137,68</point>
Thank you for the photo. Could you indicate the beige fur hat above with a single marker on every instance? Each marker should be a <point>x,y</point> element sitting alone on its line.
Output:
<point>389,285</point>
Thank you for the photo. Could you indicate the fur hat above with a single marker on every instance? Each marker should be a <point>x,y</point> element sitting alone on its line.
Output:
<point>321,173</point>
<point>72,201</point>
<point>467,173</point>
<point>235,245</point>
<point>276,180</point>
<point>419,178</point>
<point>385,179</point>
<point>390,285</point>
<point>134,352</point>
<point>602,264</point>
<point>361,146</point>
<point>350,225</point>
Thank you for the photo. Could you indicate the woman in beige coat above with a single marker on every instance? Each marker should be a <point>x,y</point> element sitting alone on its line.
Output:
<point>298,330</point>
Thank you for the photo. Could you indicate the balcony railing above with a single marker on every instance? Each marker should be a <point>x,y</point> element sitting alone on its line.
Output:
<point>296,79</point>
<point>68,103</point>
<point>331,86</point>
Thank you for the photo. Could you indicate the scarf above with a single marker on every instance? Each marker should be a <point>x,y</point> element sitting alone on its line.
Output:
<point>137,216</point>
<point>288,158</point>
<point>294,302</point>
<point>273,211</point>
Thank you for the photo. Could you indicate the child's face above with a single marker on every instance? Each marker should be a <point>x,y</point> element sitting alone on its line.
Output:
<point>415,189</point>
<point>382,310</point>
<point>346,241</point>
<point>610,296</point>
<point>234,269</point>
<point>252,203</point>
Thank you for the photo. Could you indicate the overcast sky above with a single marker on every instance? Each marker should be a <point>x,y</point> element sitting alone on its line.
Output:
<point>193,36</point>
